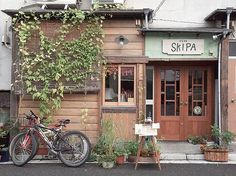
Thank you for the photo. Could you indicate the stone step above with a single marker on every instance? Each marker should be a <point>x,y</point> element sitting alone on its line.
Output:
<point>179,147</point>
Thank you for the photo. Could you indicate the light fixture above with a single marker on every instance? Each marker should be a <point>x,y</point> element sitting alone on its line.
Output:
<point>216,36</point>
<point>121,40</point>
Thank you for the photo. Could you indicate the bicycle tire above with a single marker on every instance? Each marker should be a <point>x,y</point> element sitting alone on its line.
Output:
<point>83,143</point>
<point>14,140</point>
<point>33,144</point>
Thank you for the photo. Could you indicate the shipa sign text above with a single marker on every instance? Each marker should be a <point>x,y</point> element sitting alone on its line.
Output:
<point>183,46</point>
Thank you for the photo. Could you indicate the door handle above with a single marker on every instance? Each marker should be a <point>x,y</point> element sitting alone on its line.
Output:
<point>181,103</point>
<point>233,100</point>
<point>186,103</point>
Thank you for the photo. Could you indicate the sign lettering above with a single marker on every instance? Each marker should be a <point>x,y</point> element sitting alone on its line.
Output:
<point>193,46</point>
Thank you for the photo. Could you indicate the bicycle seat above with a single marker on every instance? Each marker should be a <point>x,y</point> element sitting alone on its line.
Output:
<point>64,121</point>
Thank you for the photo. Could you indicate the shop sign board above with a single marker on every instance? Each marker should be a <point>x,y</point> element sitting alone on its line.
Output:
<point>183,46</point>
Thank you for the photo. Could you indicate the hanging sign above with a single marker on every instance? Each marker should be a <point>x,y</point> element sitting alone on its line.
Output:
<point>183,46</point>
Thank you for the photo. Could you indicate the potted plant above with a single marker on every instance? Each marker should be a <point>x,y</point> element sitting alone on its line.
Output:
<point>104,149</point>
<point>219,150</point>
<point>201,140</point>
<point>120,152</point>
<point>132,149</point>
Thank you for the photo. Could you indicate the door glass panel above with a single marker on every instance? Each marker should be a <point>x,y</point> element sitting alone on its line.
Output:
<point>170,108</point>
<point>197,92</point>
<point>170,76</point>
<point>170,92</point>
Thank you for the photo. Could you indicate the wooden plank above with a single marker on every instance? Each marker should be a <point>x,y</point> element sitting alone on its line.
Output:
<point>124,123</point>
<point>119,23</point>
<point>78,119</point>
<point>72,97</point>
<point>129,46</point>
<point>78,126</point>
<point>120,30</point>
<point>62,112</point>
<point>123,52</point>
<point>130,37</point>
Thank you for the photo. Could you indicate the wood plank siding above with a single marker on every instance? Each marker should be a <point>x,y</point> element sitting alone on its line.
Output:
<point>127,28</point>
<point>71,108</point>
<point>72,104</point>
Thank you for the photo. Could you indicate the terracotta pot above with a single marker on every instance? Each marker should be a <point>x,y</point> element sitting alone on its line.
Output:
<point>42,151</point>
<point>219,155</point>
<point>120,160</point>
<point>131,158</point>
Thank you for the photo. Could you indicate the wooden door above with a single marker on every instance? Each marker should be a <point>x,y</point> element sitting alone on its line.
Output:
<point>183,101</point>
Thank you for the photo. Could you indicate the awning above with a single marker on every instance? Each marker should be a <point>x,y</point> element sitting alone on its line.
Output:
<point>221,14</point>
<point>187,30</point>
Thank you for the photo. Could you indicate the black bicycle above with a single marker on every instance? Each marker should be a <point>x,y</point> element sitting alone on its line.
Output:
<point>72,147</point>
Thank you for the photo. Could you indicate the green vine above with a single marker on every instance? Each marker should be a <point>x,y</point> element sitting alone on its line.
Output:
<point>58,64</point>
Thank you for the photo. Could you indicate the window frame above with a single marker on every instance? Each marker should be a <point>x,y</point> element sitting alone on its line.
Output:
<point>119,103</point>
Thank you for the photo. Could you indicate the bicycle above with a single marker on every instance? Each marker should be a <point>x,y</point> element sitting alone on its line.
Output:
<point>73,148</point>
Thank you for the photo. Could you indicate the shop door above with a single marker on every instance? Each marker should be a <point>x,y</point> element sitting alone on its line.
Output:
<point>184,101</point>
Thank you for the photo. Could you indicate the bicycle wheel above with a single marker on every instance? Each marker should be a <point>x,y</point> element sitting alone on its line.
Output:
<point>74,148</point>
<point>23,148</point>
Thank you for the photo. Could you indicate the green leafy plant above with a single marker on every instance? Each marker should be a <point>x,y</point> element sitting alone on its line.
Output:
<point>132,147</point>
<point>9,126</point>
<point>197,139</point>
<point>221,139</point>
<point>105,145</point>
<point>57,64</point>
<point>119,149</point>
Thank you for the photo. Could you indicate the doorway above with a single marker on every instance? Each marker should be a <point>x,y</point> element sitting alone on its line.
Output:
<point>184,100</point>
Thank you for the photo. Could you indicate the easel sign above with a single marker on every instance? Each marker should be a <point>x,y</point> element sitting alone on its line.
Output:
<point>147,129</point>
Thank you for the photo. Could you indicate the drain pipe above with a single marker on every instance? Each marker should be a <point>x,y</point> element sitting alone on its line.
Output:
<point>146,12</point>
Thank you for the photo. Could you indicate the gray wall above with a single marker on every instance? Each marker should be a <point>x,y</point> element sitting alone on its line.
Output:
<point>5,53</point>
<point>181,13</point>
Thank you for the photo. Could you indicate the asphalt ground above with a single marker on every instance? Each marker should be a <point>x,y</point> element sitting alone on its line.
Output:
<point>58,169</point>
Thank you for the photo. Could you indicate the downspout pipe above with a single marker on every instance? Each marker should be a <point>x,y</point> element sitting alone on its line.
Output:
<point>146,12</point>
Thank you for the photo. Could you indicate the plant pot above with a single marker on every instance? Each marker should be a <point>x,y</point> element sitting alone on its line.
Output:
<point>202,147</point>
<point>108,164</point>
<point>4,156</point>
<point>131,158</point>
<point>219,155</point>
<point>120,160</point>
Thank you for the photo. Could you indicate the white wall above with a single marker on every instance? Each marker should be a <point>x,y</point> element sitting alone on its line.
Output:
<point>181,13</point>
<point>5,53</point>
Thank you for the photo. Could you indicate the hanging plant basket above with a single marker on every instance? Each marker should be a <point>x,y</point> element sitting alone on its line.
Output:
<point>218,155</point>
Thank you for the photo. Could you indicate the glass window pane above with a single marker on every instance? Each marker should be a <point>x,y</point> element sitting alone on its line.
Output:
<point>170,92</point>
<point>197,77</point>
<point>149,90</point>
<point>177,104</point>
<point>162,104</point>
<point>170,76</point>
<point>111,84</point>
<point>149,111</point>
<point>127,84</point>
<point>197,93</point>
<point>170,108</point>
<point>232,48</point>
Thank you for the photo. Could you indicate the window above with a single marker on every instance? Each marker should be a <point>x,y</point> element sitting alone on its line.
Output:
<point>120,85</point>
<point>149,92</point>
<point>232,48</point>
